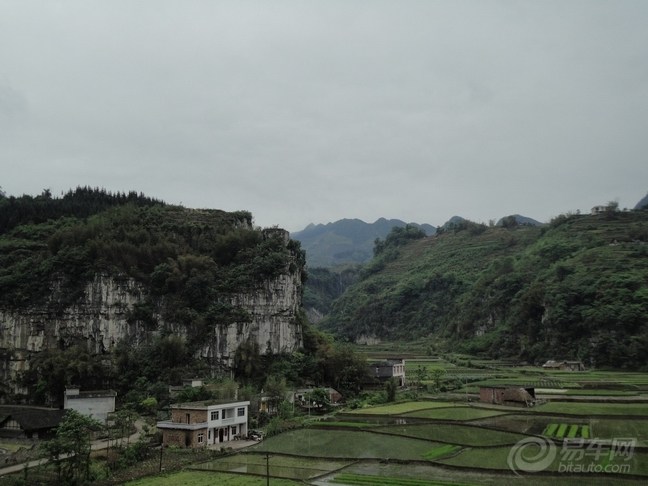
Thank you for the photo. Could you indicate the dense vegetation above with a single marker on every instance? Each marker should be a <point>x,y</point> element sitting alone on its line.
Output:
<point>574,289</point>
<point>189,256</point>
<point>188,261</point>
<point>325,285</point>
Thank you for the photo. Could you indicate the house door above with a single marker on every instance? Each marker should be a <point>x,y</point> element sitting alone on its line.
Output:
<point>220,435</point>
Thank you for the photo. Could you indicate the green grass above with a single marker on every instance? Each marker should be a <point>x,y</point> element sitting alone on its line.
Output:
<point>352,425</point>
<point>441,451</point>
<point>550,430</point>
<point>456,413</point>
<point>612,428</point>
<point>570,431</point>
<point>204,478</point>
<point>400,408</point>
<point>345,444</point>
<point>11,447</point>
<point>496,458</point>
<point>298,468</point>
<point>455,434</point>
<point>490,458</point>
<point>573,430</point>
<point>446,476</point>
<point>562,430</point>
<point>253,458</point>
<point>588,409</point>
<point>364,479</point>
<point>601,393</point>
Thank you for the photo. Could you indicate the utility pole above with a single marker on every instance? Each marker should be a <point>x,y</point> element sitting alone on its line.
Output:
<point>267,469</point>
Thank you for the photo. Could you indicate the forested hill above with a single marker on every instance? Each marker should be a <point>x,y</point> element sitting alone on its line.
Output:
<point>188,256</point>
<point>576,288</point>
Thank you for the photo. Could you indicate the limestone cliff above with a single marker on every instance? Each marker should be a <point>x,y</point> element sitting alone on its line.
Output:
<point>103,316</point>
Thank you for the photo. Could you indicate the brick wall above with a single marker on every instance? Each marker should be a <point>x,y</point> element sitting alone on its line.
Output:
<point>184,438</point>
<point>179,415</point>
<point>173,437</point>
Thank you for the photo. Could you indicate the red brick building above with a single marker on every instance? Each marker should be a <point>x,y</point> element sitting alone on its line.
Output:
<point>199,424</point>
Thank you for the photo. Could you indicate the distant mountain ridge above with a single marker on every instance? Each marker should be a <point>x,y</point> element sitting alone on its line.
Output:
<point>347,241</point>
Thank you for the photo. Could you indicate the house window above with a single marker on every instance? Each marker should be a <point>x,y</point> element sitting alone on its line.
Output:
<point>188,416</point>
<point>201,438</point>
<point>241,412</point>
<point>214,415</point>
<point>233,429</point>
<point>12,424</point>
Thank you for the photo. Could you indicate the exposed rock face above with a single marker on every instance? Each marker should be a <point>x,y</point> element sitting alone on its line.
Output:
<point>98,319</point>
<point>101,318</point>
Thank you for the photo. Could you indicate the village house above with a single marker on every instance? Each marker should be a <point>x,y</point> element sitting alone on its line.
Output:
<point>174,390</point>
<point>564,365</point>
<point>22,421</point>
<point>301,396</point>
<point>199,424</point>
<point>388,368</point>
<point>270,405</point>
<point>517,396</point>
<point>96,404</point>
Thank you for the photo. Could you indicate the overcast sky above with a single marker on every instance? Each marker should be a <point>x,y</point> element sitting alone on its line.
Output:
<point>312,111</point>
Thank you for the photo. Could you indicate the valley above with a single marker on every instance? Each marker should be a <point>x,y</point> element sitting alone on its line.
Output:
<point>427,437</point>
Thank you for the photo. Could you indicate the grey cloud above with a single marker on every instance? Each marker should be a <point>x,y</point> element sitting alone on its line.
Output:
<point>314,111</point>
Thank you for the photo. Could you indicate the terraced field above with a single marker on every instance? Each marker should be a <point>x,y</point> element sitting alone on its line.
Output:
<point>456,442</point>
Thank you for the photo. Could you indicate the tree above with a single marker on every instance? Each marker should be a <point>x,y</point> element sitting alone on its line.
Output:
<point>149,405</point>
<point>437,377</point>
<point>420,374</point>
<point>70,449</point>
<point>390,389</point>
<point>319,398</point>
<point>343,369</point>
<point>247,361</point>
<point>52,370</point>
<point>612,206</point>
<point>275,388</point>
<point>509,222</point>
<point>398,236</point>
<point>124,421</point>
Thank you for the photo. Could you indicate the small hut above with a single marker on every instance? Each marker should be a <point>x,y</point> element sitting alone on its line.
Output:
<point>564,365</point>
<point>517,396</point>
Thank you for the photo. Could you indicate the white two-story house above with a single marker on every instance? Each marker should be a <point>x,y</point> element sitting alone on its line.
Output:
<point>199,424</point>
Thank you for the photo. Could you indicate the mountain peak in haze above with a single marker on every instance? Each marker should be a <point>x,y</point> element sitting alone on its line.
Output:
<point>643,203</point>
<point>346,241</point>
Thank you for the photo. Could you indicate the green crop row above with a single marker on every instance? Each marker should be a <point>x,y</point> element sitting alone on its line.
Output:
<point>441,451</point>
<point>570,431</point>
<point>362,479</point>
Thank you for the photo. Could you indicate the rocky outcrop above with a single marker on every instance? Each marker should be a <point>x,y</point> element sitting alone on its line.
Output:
<point>103,316</point>
<point>99,319</point>
<point>272,309</point>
